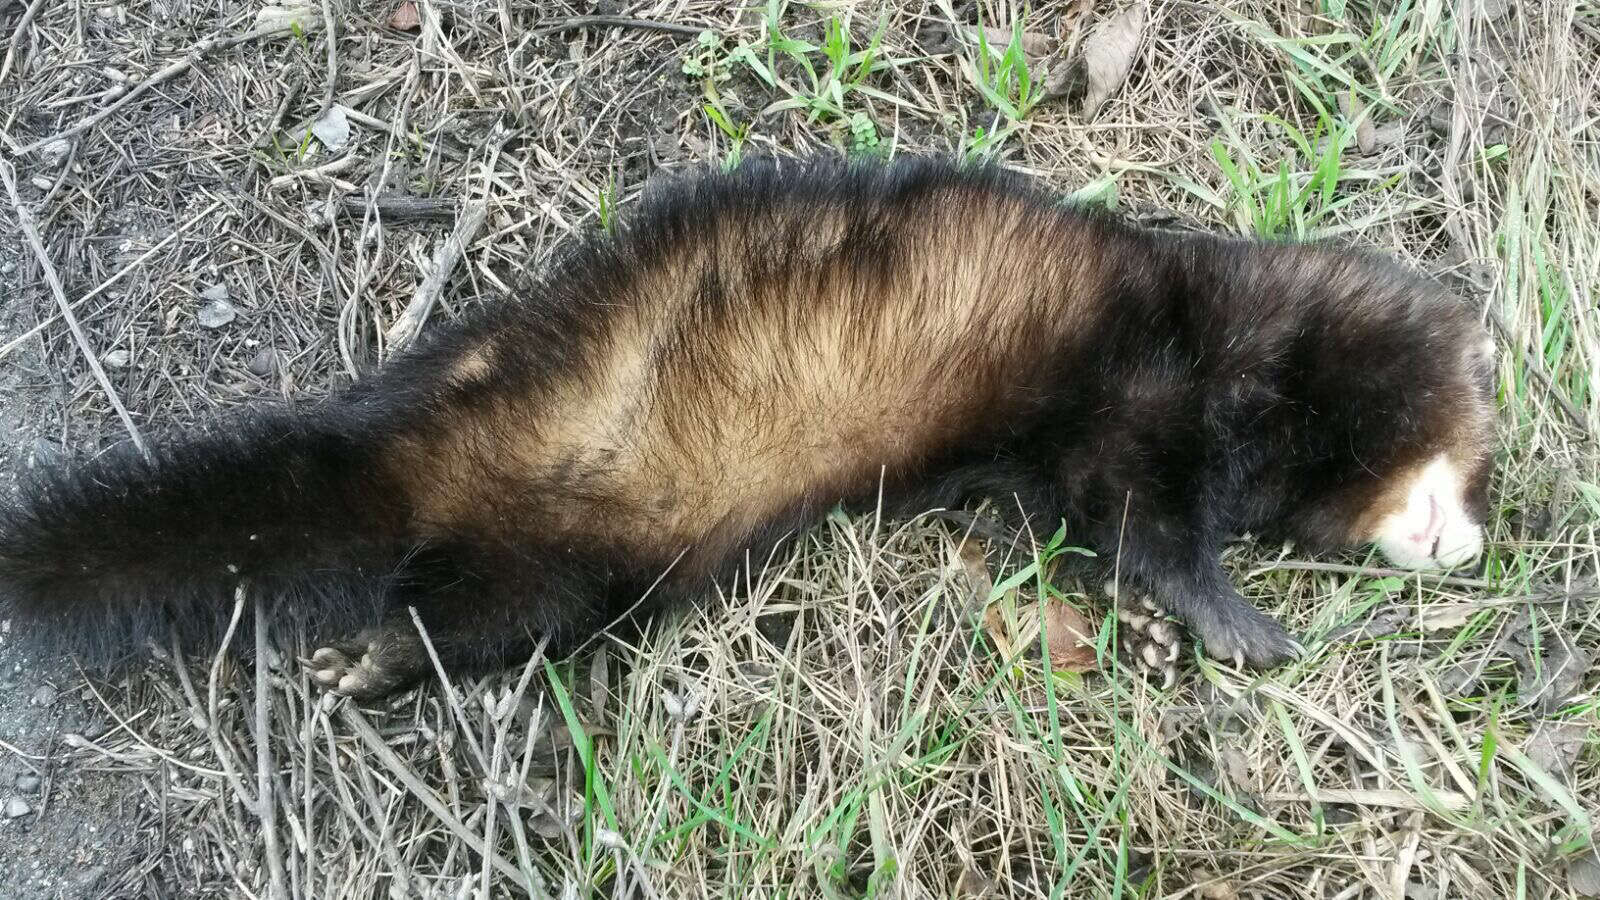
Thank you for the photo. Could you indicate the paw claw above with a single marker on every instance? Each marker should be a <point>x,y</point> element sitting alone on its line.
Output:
<point>333,669</point>
<point>1149,640</point>
<point>376,662</point>
<point>328,657</point>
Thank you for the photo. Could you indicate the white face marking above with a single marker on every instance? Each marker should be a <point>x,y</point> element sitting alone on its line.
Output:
<point>1433,531</point>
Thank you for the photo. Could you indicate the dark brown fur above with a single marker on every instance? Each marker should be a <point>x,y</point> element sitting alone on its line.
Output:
<point>752,349</point>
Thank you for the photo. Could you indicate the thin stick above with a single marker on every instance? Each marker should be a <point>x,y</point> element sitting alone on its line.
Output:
<point>577,22</point>
<point>1372,572</point>
<point>376,746</point>
<point>333,60</point>
<point>213,704</point>
<point>393,208</point>
<point>25,222</point>
<point>266,808</point>
<point>467,733</point>
<point>16,36</point>
<point>321,174</point>
<point>444,262</point>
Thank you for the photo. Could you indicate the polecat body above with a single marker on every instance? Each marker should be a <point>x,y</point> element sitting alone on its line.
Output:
<point>755,347</point>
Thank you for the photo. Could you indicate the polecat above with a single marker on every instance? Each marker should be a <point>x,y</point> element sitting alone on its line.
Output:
<point>754,347</point>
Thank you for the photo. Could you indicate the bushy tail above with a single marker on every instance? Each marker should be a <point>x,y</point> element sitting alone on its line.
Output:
<point>106,553</point>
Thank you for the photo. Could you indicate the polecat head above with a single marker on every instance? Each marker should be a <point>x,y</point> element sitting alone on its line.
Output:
<point>1430,514</point>
<point>1428,510</point>
<point>1402,403</point>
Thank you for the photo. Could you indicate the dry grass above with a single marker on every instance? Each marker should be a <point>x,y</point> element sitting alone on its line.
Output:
<point>840,726</point>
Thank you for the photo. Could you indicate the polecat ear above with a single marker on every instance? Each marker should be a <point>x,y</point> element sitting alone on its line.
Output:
<point>1483,367</point>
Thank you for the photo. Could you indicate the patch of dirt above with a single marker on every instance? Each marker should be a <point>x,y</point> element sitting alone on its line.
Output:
<point>70,826</point>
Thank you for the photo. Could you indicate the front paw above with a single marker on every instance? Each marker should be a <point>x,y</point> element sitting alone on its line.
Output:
<point>1242,634</point>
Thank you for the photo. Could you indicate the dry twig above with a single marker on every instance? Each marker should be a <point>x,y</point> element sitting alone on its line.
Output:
<point>29,231</point>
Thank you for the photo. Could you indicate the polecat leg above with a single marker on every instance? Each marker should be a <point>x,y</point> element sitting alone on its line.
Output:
<point>1186,580</point>
<point>1228,627</point>
<point>482,610</point>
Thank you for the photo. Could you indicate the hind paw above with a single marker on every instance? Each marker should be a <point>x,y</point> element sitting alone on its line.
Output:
<point>373,664</point>
<point>1148,638</point>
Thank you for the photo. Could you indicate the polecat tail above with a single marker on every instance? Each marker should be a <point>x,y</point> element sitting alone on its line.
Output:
<point>105,554</point>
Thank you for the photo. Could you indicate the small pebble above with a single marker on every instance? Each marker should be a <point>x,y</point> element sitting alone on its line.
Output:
<point>215,292</point>
<point>216,314</point>
<point>263,363</point>
<point>7,267</point>
<point>17,807</point>
<point>28,784</point>
<point>116,359</point>
<point>56,151</point>
<point>43,695</point>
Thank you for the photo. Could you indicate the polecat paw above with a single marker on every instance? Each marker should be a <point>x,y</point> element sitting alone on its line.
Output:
<point>1149,639</point>
<point>374,663</point>
<point>1245,636</point>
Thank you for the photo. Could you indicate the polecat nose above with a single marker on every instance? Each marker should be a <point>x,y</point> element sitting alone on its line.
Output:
<point>1428,539</point>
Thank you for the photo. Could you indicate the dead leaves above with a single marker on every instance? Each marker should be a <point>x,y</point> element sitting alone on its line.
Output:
<point>405,17</point>
<point>1555,746</point>
<point>294,14</point>
<point>1108,56</point>
<point>1550,668</point>
<point>1014,625</point>
<point>1088,71</point>
<point>1354,110</point>
<point>332,129</point>
<point>1068,634</point>
<point>1584,874</point>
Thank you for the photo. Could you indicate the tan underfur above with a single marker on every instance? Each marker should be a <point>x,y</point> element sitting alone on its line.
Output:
<point>471,367</point>
<point>698,426</point>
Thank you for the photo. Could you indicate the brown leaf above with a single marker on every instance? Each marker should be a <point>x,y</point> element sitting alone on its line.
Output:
<point>994,624</point>
<point>1070,637</point>
<point>1355,110</point>
<point>1584,874</point>
<point>1448,615</point>
<point>600,681</point>
<point>1072,15</point>
<point>1218,890</point>
<point>974,568</point>
<point>973,885</point>
<point>405,17</point>
<point>1108,55</point>
<point>1034,44</point>
<point>1550,669</point>
<point>1556,745</point>
<point>1238,768</point>
<point>1390,134</point>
